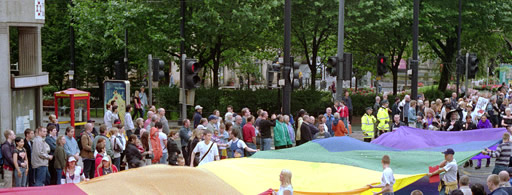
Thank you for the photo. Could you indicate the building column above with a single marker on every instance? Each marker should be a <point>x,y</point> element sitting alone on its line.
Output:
<point>5,80</point>
<point>30,63</point>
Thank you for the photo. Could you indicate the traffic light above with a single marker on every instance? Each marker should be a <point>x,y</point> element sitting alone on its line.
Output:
<point>158,69</point>
<point>119,70</point>
<point>192,79</point>
<point>472,65</point>
<point>332,64</point>
<point>271,69</point>
<point>297,75</point>
<point>382,65</point>
<point>461,65</point>
<point>347,66</point>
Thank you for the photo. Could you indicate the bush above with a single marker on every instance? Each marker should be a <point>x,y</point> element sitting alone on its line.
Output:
<point>314,102</point>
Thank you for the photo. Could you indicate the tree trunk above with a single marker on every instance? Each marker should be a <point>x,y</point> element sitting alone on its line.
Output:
<point>215,70</point>
<point>445,77</point>
<point>394,70</point>
<point>356,83</point>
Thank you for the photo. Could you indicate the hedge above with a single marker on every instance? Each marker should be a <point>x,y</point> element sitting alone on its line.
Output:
<point>314,102</point>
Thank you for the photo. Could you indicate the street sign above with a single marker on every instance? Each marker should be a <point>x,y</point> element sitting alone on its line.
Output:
<point>39,9</point>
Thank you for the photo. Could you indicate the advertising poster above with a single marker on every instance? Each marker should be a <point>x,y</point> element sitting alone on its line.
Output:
<point>118,91</point>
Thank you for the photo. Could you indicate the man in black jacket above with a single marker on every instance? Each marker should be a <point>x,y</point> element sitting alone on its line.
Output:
<point>305,132</point>
<point>185,134</point>
<point>264,125</point>
<point>29,135</point>
<point>197,116</point>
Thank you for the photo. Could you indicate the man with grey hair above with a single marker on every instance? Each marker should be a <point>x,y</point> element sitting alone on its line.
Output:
<point>163,120</point>
<point>154,119</point>
<point>87,152</point>
<point>148,121</point>
<point>376,106</point>
<point>405,112</point>
<point>237,126</point>
<point>312,126</point>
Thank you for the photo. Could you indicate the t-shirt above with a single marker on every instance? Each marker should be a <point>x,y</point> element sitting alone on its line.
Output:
<point>285,188</point>
<point>202,148</point>
<point>162,138</point>
<point>388,178</point>
<point>21,155</point>
<point>240,144</point>
<point>451,172</point>
<point>249,132</point>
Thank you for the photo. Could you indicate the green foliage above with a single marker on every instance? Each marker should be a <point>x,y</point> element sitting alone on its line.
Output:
<point>314,102</point>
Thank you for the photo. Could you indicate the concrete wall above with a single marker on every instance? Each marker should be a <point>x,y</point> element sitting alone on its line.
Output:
<point>19,12</point>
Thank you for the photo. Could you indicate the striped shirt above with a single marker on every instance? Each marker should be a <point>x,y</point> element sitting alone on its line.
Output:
<point>502,154</point>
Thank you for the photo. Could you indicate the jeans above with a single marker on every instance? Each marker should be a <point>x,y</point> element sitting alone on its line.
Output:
<point>59,176</point>
<point>345,122</point>
<point>250,145</point>
<point>442,191</point>
<point>21,181</point>
<point>89,168</point>
<point>117,163</point>
<point>267,142</point>
<point>163,159</point>
<point>185,155</point>
<point>7,178</point>
<point>498,168</point>
<point>41,175</point>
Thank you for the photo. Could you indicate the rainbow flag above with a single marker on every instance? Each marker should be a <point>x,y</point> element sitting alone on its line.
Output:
<point>338,165</point>
<point>344,165</point>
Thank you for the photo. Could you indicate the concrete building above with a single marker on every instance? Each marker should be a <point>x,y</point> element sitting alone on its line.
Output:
<point>21,94</point>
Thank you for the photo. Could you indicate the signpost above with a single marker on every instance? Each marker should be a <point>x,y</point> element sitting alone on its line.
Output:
<point>119,91</point>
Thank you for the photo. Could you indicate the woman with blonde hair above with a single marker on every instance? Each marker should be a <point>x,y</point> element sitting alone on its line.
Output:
<point>53,121</point>
<point>286,187</point>
<point>105,167</point>
<point>194,140</point>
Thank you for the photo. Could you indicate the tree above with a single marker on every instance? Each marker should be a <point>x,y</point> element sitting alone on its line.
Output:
<point>480,21</point>
<point>375,27</point>
<point>214,27</point>
<point>313,22</point>
<point>100,29</point>
<point>55,42</point>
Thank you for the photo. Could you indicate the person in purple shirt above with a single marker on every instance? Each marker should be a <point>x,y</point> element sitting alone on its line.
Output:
<point>484,123</point>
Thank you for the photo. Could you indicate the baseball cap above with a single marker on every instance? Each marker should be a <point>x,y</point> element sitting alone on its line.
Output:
<point>71,159</point>
<point>212,117</point>
<point>449,151</point>
<point>106,158</point>
<point>198,107</point>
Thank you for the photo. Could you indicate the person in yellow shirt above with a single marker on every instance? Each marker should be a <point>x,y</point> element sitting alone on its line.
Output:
<point>368,124</point>
<point>383,117</point>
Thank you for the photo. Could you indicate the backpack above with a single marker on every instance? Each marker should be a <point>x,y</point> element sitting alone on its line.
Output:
<point>79,141</point>
<point>117,148</point>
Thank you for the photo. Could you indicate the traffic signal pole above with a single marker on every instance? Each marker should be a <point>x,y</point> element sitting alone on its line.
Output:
<point>467,74</point>
<point>458,44</point>
<point>183,58</point>
<point>341,39</point>
<point>287,91</point>
<point>414,80</point>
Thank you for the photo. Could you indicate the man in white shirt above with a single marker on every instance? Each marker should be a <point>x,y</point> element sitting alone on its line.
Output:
<point>128,122</point>
<point>387,180</point>
<point>208,150</point>
<point>449,167</point>
<point>163,143</point>
<point>108,117</point>
<point>464,185</point>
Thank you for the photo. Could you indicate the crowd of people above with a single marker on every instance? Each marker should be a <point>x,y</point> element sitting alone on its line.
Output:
<point>44,158</point>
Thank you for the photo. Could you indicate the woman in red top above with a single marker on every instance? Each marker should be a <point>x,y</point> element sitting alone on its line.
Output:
<point>343,110</point>
<point>105,167</point>
<point>100,148</point>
